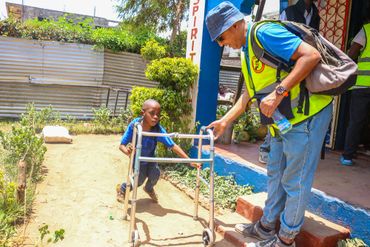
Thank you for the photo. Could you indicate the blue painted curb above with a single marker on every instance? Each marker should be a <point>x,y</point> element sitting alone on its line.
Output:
<point>328,207</point>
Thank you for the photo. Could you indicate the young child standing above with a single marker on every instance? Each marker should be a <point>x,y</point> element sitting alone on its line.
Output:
<point>151,112</point>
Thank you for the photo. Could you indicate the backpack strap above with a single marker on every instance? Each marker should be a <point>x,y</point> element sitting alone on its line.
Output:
<point>277,63</point>
<point>304,98</point>
<point>264,56</point>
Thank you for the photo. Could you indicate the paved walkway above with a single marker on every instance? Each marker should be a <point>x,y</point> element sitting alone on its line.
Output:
<point>350,184</point>
<point>78,195</point>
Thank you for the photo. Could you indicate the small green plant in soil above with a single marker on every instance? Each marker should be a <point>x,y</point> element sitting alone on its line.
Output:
<point>46,237</point>
<point>226,190</point>
<point>102,116</point>
<point>354,242</point>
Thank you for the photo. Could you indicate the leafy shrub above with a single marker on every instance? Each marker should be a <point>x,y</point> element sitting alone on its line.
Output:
<point>116,126</point>
<point>247,127</point>
<point>103,122</point>
<point>37,119</point>
<point>177,74</point>
<point>178,47</point>
<point>9,209</point>
<point>173,106</point>
<point>11,27</point>
<point>64,30</point>
<point>48,116</point>
<point>22,143</point>
<point>141,34</point>
<point>124,117</point>
<point>70,119</point>
<point>102,116</point>
<point>121,38</point>
<point>140,94</point>
<point>7,229</point>
<point>152,50</point>
<point>222,110</point>
<point>6,125</point>
<point>114,40</point>
<point>7,192</point>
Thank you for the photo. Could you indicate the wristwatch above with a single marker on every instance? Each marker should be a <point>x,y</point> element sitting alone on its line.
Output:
<point>281,90</point>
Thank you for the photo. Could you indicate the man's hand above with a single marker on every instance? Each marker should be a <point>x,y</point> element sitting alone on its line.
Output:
<point>218,126</point>
<point>306,57</point>
<point>270,103</point>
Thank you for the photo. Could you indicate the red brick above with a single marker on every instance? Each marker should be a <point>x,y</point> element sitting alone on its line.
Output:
<point>248,210</point>
<point>315,232</point>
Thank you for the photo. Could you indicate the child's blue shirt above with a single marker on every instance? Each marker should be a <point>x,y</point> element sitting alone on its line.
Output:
<point>149,143</point>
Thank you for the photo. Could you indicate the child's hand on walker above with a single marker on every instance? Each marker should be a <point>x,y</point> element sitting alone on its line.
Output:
<point>130,148</point>
<point>196,165</point>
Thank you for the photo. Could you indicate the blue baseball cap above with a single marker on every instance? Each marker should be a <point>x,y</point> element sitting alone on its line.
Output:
<point>221,18</point>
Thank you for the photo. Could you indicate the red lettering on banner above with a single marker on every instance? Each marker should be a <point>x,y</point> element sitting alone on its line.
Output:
<point>194,29</point>
<point>195,9</point>
<point>192,54</point>
<point>194,32</point>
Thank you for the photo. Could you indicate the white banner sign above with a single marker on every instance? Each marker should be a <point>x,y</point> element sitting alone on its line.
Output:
<point>195,30</point>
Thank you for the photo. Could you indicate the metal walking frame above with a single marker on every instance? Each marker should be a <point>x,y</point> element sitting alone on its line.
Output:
<point>208,235</point>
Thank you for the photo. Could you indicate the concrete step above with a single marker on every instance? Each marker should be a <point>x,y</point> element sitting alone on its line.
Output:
<point>225,227</point>
<point>315,232</point>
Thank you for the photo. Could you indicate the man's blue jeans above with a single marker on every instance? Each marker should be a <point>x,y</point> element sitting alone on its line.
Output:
<point>265,146</point>
<point>291,166</point>
<point>147,170</point>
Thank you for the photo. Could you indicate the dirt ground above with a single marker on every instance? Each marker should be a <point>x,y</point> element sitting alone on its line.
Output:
<point>78,195</point>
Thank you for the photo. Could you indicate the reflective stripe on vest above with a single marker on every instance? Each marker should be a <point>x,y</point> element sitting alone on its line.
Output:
<point>260,77</point>
<point>363,76</point>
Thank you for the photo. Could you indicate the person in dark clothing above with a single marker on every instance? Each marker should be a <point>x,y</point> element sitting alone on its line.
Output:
<point>304,11</point>
<point>360,98</point>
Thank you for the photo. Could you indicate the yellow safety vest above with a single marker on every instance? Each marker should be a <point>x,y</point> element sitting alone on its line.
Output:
<point>363,77</point>
<point>261,78</point>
